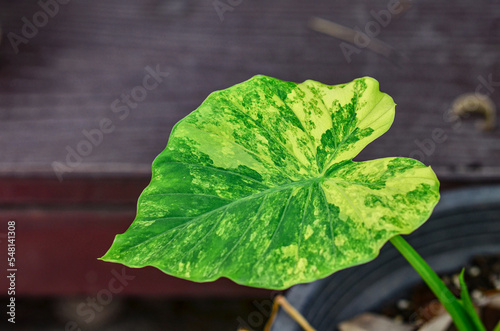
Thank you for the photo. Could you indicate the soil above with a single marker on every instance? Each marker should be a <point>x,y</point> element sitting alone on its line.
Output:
<point>482,276</point>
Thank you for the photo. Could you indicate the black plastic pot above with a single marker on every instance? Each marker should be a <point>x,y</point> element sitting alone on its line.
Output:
<point>465,223</point>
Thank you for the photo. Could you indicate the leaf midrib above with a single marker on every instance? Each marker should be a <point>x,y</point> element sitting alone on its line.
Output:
<point>282,187</point>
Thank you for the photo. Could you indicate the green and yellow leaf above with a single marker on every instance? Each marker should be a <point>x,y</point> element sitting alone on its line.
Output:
<point>258,185</point>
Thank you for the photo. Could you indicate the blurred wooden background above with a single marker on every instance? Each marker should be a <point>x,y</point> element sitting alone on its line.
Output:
<point>63,77</point>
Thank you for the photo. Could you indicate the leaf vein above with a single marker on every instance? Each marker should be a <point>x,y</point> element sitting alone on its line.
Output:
<point>259,210</point>
<point>217,169</point>
<point>330,220</point>
<point>258,157</point>
<point>273,137</point>
<point>273,236</point>
<point>306,204</point>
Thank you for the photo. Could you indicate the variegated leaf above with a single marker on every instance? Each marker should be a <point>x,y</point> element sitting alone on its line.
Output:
<point>258,185</point>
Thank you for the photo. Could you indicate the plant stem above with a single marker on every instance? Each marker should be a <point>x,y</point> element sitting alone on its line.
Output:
<point>497,328</point>
<point>467,303</point>
<point>281,301</point>
<point>447,299</point>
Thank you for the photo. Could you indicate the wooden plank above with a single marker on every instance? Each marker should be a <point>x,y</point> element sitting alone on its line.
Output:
<point>64,79</point>
<point>57,251</point>
<point>15,192</point>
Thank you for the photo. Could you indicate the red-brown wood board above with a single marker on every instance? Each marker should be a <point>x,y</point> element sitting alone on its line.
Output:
<point>58,245</point>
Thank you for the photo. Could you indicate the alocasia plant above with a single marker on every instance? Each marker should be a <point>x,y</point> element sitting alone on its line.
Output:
<point>258,185</point>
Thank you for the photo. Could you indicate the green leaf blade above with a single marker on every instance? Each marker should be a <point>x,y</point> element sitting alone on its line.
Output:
<point>467,303</point>
<point>257,185</point>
